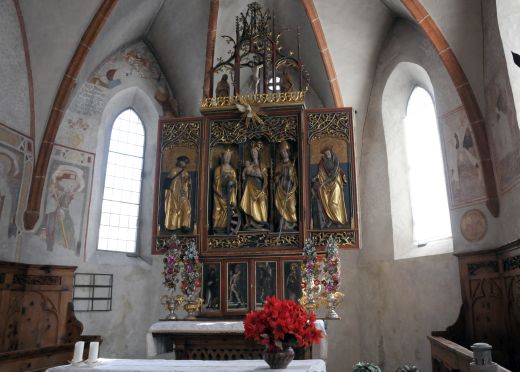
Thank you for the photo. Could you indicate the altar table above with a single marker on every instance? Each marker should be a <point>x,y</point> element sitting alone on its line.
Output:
<point>161,336</point>
<point>144,365</point>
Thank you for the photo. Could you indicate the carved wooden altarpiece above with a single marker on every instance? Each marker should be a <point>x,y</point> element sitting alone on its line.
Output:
<point>260,250</point>
<point>256,175</point>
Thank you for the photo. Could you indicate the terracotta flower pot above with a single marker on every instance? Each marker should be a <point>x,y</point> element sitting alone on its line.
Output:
<point>279,359</point>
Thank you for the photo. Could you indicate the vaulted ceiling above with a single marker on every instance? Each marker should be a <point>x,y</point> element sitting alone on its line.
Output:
<point>176,32</point>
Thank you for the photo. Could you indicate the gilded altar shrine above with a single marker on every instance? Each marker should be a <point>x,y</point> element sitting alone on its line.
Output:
<point>255,175</point>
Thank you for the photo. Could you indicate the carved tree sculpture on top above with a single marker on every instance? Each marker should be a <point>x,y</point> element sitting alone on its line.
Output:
<point>258,46</point>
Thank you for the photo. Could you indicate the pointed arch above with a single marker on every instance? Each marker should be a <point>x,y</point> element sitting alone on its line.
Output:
<point>61,99</point>
<point>404,78</point>
<point>314,20</point>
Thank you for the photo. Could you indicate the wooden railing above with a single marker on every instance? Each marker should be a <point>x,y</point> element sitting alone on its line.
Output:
<point>448,356</point>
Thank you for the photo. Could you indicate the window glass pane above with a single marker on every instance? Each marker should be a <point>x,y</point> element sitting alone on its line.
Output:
<point>122,190</point>
<point>429,198</point>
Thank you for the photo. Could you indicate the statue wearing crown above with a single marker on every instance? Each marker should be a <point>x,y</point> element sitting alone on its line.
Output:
<point>225,196</point>
<point>255,193</point>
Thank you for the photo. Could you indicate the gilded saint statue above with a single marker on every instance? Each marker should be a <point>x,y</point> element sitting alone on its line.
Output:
<point>222,89</point>
<point>286,184</point>
<point>225,196</point>
<point>177,206</point>
<point>254,196</point>
<point>327,189</point>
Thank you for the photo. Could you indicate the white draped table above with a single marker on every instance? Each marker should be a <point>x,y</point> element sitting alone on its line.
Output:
<point>138,365</point>
<point>155,344</point>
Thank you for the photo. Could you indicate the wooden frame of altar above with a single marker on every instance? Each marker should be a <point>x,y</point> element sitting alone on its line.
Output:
<point>246,256</point>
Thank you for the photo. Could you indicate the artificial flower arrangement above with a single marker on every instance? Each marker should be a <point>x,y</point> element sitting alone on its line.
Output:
<point>171,260</point>
<point>311,269</point>
<point>281,323</point>
<point>190,270</point>
<point>331,270</point>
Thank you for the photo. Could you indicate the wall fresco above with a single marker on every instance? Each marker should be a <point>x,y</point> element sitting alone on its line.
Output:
<point>465,177</point>
<point>67,198</point>
<point>16,162</point>
<point>134,66</point>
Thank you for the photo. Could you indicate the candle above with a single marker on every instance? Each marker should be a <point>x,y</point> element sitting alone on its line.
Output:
<point>78,352</point>
<point>93,352</point>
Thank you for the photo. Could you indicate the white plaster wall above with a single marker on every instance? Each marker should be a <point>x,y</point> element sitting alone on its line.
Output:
<point>291,14</point>
<point>502,84</point>
<point>178,36</point>
<point>137,288</point>
<point>355,32</point>
<point>461,24</point>
<point>54,29</point>
<point>399,302</point>
<point>14,95</point>
<point>509,22</point>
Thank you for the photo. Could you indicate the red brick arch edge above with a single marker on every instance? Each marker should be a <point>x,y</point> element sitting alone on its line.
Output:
<point>210,46</point>
<point>466,95</point>
<point>414,7</point>
<point>312,14</point>
<point>61,99</point>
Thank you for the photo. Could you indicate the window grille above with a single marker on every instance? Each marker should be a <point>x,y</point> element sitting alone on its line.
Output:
<point>92,292</point>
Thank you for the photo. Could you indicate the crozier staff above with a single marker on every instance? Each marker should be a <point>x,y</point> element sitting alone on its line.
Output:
<point>286,181</point>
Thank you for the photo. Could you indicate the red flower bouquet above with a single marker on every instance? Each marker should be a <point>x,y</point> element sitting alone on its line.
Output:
<point>281,323</point>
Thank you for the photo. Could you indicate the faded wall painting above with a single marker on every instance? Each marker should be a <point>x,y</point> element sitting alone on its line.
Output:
<point>133,66</point>
<point>16,162</point>
<point>465,177</point>
<point>505,141</point>
<point>67,200</point>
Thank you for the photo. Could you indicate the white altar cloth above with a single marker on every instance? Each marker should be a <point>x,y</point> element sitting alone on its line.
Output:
<point>155,346</point>
<point>147,365</point>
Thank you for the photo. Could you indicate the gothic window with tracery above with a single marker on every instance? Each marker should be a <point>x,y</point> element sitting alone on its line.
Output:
<point>122,190</point>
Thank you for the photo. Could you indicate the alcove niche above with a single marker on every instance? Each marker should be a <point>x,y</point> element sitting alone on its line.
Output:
<point>401,83</point>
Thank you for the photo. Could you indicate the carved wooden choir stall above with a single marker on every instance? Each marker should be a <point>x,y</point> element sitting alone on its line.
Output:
<point>490,313</point>
<point>38,328</point>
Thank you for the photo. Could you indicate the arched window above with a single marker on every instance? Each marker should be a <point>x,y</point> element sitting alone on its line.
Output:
<point>122,190</point>
<point>429,199</point>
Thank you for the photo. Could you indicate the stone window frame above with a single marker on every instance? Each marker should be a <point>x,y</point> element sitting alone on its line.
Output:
<point>404,78</point>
